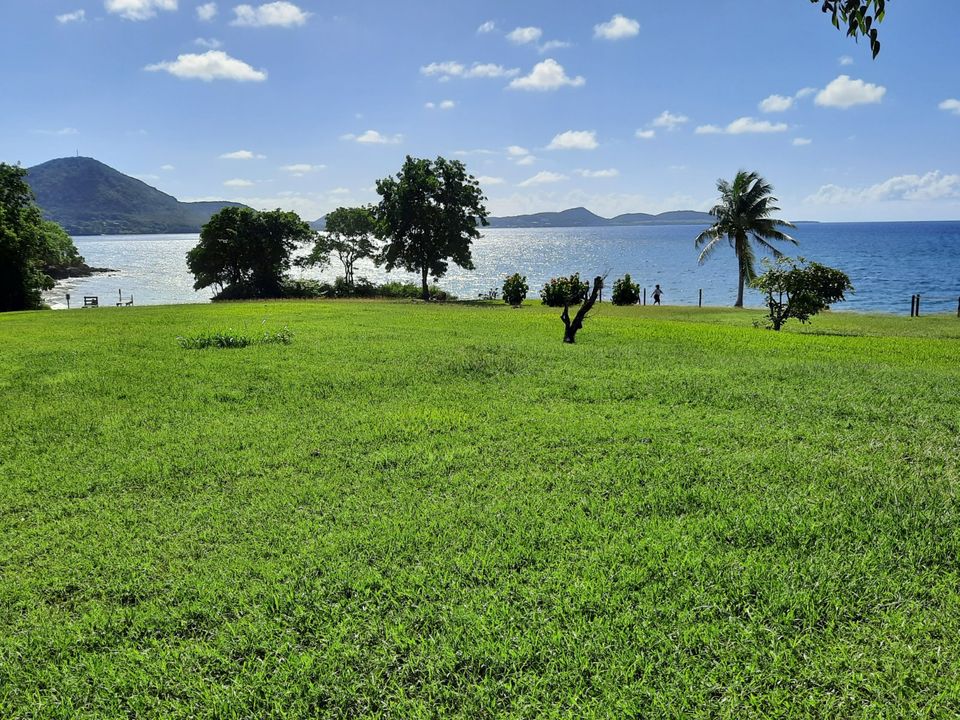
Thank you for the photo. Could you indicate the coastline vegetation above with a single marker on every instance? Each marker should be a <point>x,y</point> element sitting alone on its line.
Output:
<point>678,516</point>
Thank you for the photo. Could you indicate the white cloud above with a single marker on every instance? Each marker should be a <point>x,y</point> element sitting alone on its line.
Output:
<point>238,182</point>
<point>301,169</point>
<point>487,180</point>
<point>210,43</point>
<point>488,27</point>
<point>646,134</point>
<point>167,168</point>
<point>553,45</point>
<point>845,60</point>
<point>574,140</point>
<point>207,11</point>
<point>846,93</point>
<point>908,188</point>
<point>451,69</point>
<point>617,28</point>
<point>776,103</point>
<point>800,142</point>
<point>71,17</point>
<point>242,155</point>
<point>211,65</point>
<point>442,105</point>
<point>62,132</point>
<point>517,151</point>
<point>273,14</point>
<point>340,191</point>
<point>527,160</point>
<point>138,9</point>
<point>546,75</point>
<point>805,92</point>
<point>372,137</point>
<point>524,35</point>
<point>668,120</point>
<point>952,105</point>
<point>147,177</point>
<point>742,126</point>
<point>543,178</point>
<point>609,173</point>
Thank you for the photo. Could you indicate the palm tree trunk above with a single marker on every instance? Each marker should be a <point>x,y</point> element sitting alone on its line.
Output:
<point>739,302</point>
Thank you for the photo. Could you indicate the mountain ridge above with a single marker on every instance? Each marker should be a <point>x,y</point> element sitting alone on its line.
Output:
<point>88,197</point>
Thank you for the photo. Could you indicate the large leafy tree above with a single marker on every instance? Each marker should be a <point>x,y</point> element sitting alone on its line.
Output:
<point>744,217</point>
<point>29,245</point>
<point>350,235</point>
<point>428,215</point>
<point>858,17</point>
<point>247,251</point>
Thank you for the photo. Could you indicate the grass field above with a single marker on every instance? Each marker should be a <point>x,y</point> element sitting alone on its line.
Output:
<point>419,511</point>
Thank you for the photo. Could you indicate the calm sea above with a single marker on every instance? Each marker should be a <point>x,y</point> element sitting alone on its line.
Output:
<point>887,262</point>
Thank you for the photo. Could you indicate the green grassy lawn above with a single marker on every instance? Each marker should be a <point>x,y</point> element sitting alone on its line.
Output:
<point>420,511</point>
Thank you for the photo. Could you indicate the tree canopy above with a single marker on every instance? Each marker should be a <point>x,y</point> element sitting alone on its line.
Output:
<point>29,245</point>
<point>247,251</point>
<point>797,289</point>
<point>428,215</point>
<point>858,17</point>
<point>744,214</point>
<point>350,235</point>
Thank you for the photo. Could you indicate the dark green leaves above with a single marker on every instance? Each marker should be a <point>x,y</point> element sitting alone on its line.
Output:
<point>858,16</point>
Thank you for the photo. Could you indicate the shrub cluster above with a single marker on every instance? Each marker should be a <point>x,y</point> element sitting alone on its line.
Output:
<point>515,289</point>
<point>228,339</point>
<point>306,289</point>
<point>625,291</point>
<point>564,291</point>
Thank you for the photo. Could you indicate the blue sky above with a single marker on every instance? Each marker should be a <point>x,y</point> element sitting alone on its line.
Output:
<point>618,106</point>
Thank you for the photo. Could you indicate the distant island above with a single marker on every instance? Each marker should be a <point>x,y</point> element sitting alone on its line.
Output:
<point>87,197</point>
<point>581,217</point>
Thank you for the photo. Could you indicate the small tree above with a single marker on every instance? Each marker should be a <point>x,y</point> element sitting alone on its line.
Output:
<point>349,235</point>
<point>428,215</point>
<point>572,326</point>
<point>625,291</point>
<point>515,289</point>
<point>564,291</point>
<point>797,289</point>
<point>247,251</point>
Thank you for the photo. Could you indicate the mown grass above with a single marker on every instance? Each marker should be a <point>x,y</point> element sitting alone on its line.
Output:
<point>420,511</point>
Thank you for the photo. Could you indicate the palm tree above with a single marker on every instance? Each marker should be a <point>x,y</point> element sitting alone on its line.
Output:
<point>743,212</point>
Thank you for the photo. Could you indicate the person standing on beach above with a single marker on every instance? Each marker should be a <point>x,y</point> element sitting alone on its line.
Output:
<point>657,292</point>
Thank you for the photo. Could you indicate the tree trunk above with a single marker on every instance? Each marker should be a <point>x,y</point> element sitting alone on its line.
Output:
<point>739,302</point>
<point>424,286</point>
<point>571,327</point>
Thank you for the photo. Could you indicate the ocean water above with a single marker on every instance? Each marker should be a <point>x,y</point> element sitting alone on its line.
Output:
<point>887,263</point>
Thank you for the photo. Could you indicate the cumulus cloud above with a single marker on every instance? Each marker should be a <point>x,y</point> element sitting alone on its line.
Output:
<point>543,178</point>
<point>646,134</point>
<point>526,160</point>
<point>906,188</point>
<point>242,155</point>
<point>845,60</point>
<point>553,45</point>
<point>167,168</point>
<point>742,126</point>
<point>451,69</point>
<point>274,14</point>
<point>524,35</point>
<point>209,66</point>
<point>517,151</point>
<point>609,173</point>
<point>574,140</point>
<point>843,93</point>
<point>62,132</point>
<point>776,103</point>
<point>138,9</point>
<point>488,180</point>
<point>800,142</point>
<point>546,75</point>
<point>952,105</point>
<point>617,28</point>
<point>372,137</point>
<point>238,183</point>
<point>207,11</point>
<point>805,92</point>
<point>442,105</point>
<point>668,120</point>
<point>211,43</point>
<point>72,17</point>
<point>488,27</point>
<point>301,169</point>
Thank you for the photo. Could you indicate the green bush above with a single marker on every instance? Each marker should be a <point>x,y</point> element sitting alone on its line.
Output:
<point>625,291</point>
<point>228,339</point>
<point>564,291</point>
<point>515,289</point>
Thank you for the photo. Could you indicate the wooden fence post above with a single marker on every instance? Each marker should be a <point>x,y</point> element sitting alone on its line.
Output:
<point>700,302</point>
<point>918,305</point>
<point>644,296</point>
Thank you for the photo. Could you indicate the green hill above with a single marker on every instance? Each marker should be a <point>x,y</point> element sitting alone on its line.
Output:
<point>89,198</point>
<point>581,217</point>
